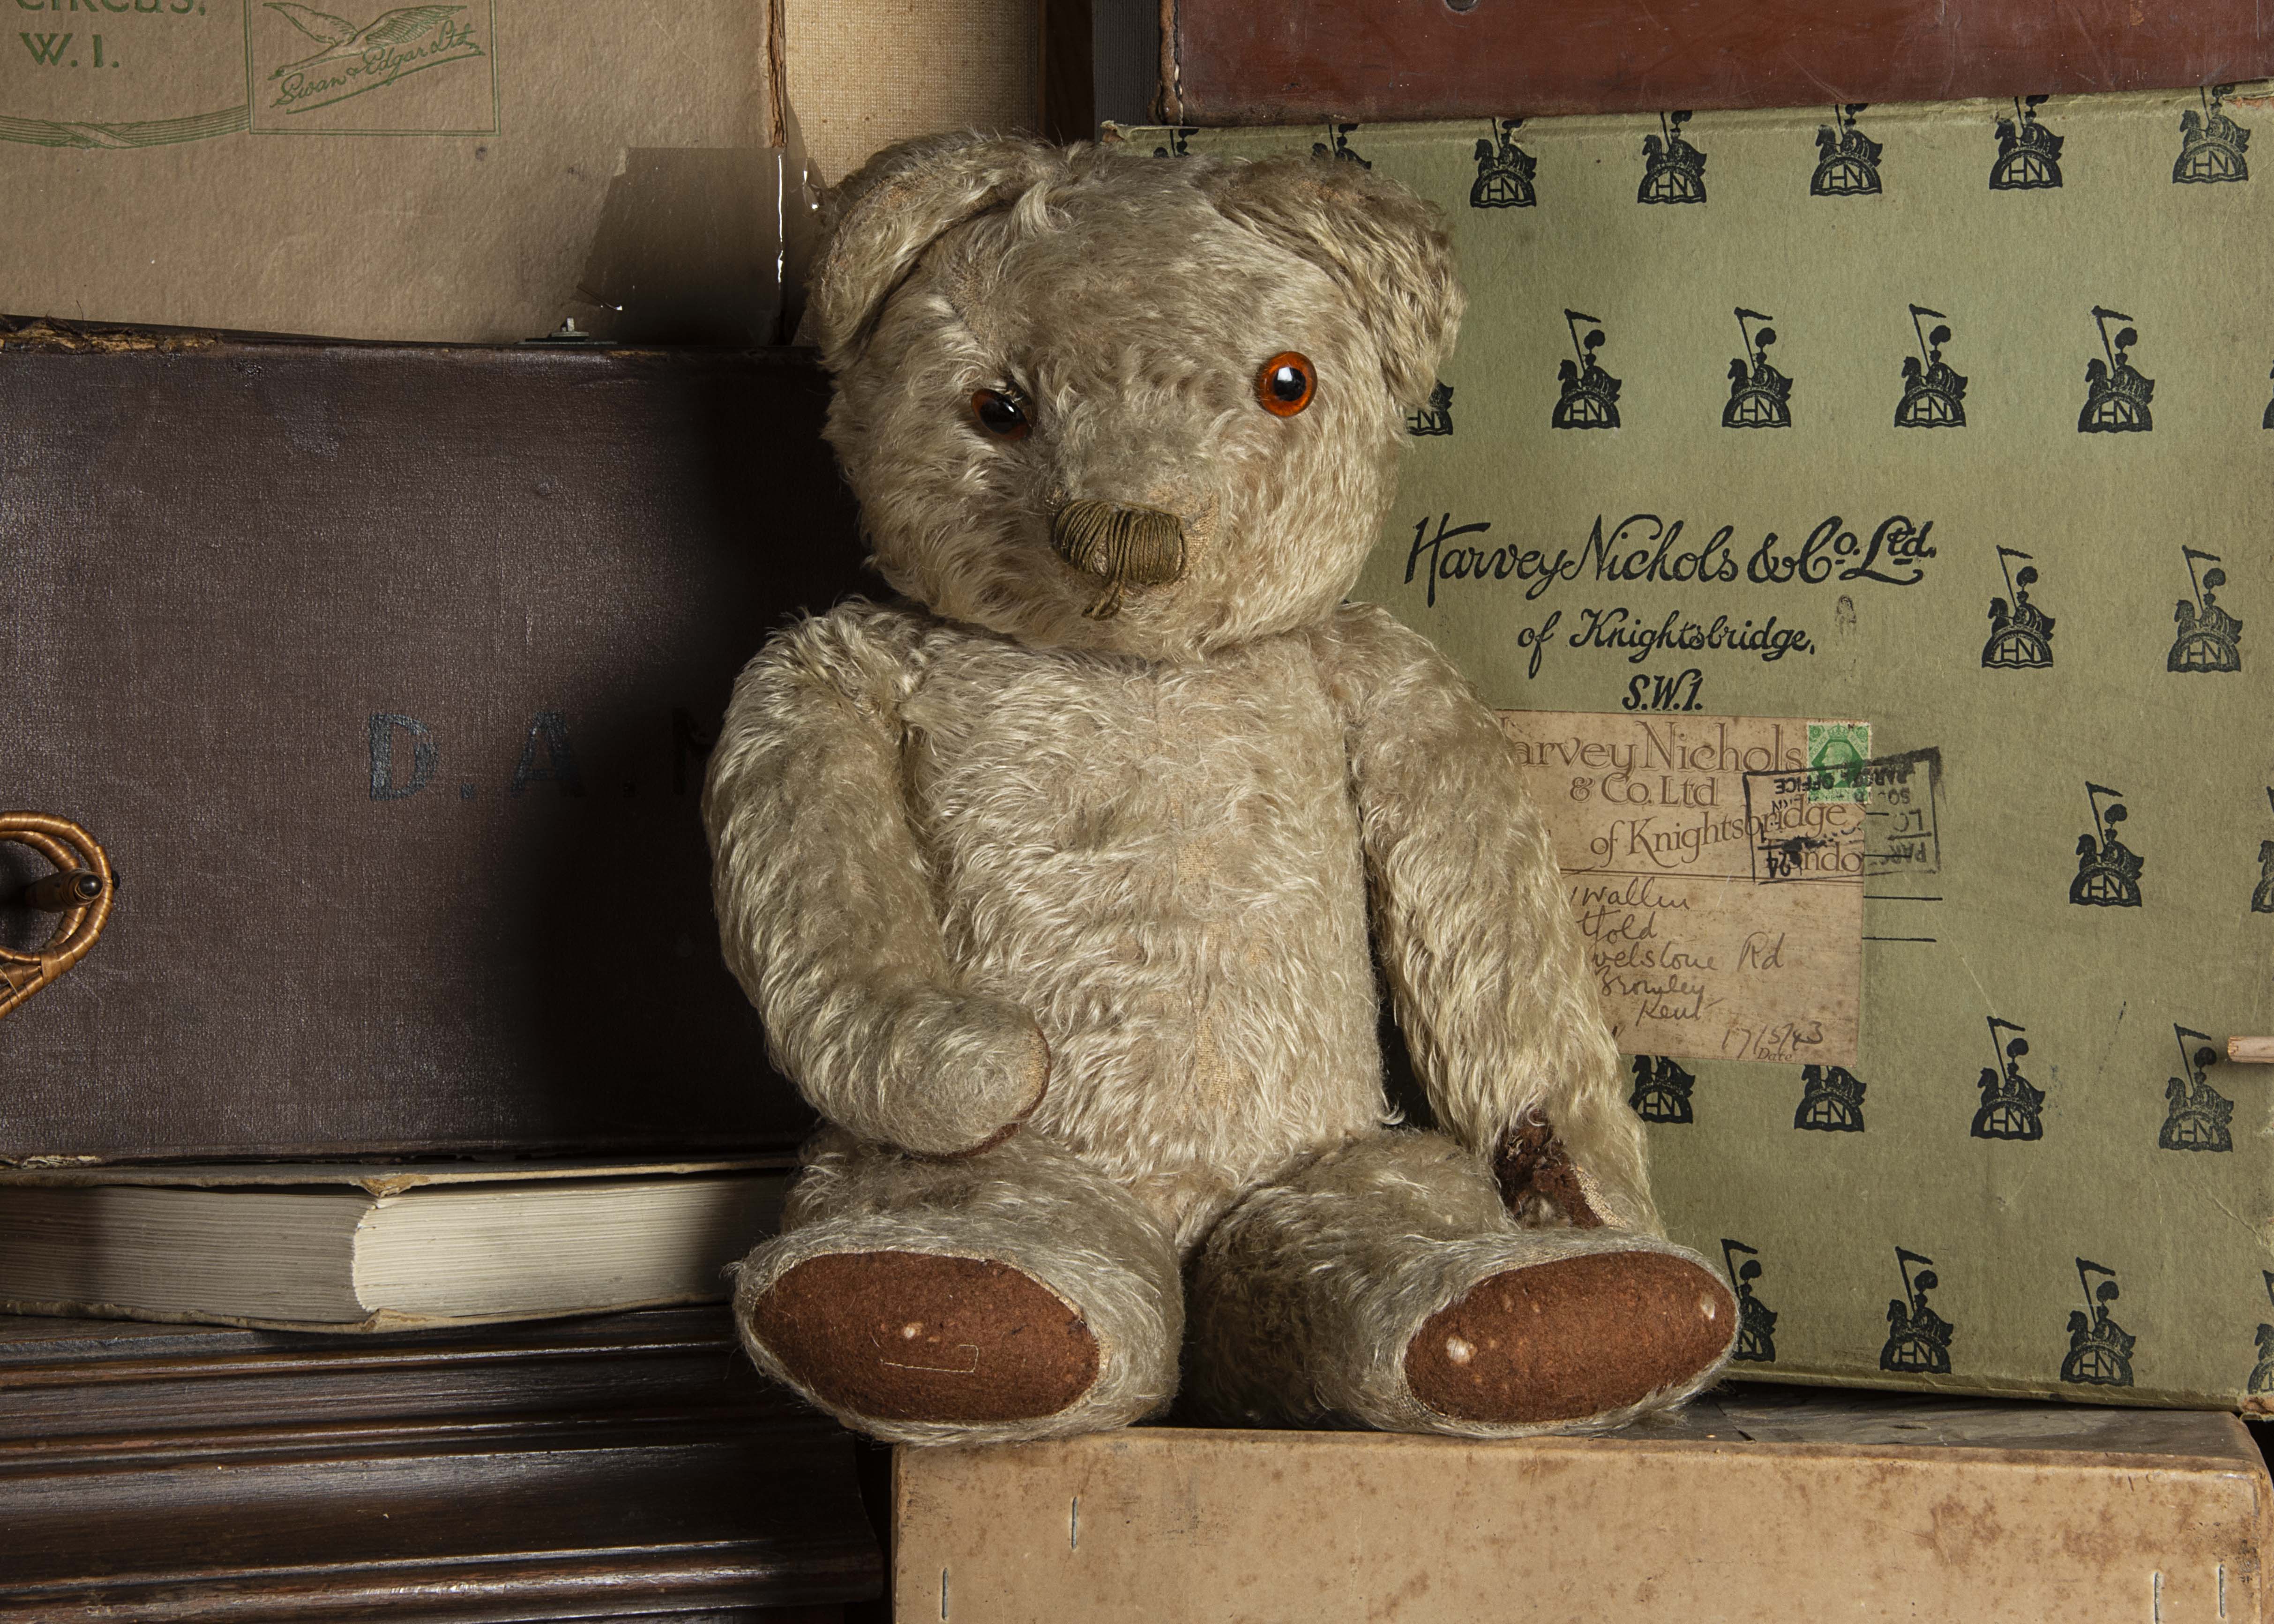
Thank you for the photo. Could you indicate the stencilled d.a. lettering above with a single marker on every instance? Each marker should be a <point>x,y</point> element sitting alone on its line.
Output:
<point>405,755</point>
<point>426,753</point>
<point>548,730</point>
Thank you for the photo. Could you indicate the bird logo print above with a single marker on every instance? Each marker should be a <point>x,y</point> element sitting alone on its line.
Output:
<point>356,58</point>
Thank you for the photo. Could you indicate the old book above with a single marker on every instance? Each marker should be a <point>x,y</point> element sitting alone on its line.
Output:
<point>392,714</point>
<point>1769,1505</point>
<point>313,1246</point>
<point>1247,62</point>
<point>1856,514</point>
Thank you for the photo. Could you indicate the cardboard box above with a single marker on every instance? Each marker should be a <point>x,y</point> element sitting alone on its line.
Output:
<point>473,173</point>
<point>1953,421</point>
<point>476,173</point>
<point>1751,1509</point>
<point>860,77</point>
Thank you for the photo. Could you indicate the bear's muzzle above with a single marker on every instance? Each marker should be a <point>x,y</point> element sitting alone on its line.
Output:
<point>1123,545</point>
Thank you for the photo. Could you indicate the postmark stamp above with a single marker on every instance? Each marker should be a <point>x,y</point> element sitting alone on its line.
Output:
<point>1902,831</point>
<point>1796,833</point>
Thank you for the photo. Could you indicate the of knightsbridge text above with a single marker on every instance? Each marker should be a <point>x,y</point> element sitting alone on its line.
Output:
<point>1645,548</point>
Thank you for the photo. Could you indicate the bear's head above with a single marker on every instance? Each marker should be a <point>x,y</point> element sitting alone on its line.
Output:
<point>1152,406</point>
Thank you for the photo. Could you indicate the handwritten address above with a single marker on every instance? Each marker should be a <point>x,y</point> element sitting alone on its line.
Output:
<point>1702,944</point>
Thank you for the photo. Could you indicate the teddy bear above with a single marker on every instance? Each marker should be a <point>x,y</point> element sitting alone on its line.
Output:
<point>1068,883</point>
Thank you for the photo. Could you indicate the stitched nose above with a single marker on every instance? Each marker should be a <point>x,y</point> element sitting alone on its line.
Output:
<point>1121,546</point>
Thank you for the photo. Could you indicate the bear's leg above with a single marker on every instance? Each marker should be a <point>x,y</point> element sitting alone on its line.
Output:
<point>1386,1283</point>
<point>1014,1294</point>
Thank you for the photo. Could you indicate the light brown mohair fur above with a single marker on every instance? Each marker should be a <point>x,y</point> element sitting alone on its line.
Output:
<point>1090,899</point>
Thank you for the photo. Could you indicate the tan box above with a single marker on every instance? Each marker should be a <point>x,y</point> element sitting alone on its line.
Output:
<point>471,173</point>
<point>860,77</point>
<point>1771,1507</point>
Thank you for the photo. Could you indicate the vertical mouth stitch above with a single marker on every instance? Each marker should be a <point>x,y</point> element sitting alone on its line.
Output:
<point>1122,545</point>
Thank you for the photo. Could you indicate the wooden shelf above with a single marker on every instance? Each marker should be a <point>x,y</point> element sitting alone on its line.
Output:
<point>627,1466</point>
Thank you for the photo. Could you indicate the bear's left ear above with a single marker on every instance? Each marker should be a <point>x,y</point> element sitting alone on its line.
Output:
<point>1388,249</point>
<point>878,223</point>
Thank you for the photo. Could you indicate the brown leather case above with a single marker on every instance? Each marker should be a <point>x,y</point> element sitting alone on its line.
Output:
<point>386,678</point>
<point>1243,62</point>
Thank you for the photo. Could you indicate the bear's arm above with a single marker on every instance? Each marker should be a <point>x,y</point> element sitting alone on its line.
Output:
<point>1486,971</point>
<point>825,901</point>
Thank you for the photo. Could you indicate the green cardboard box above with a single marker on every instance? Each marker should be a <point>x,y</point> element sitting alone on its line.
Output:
<point>1953,421</point>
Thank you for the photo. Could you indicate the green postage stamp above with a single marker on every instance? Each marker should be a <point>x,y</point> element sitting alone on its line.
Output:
<point>1837,752</point>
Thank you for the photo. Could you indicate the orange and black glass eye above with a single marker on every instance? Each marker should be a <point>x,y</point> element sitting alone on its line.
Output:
<point>1286,384</point>
<point>999,415</point>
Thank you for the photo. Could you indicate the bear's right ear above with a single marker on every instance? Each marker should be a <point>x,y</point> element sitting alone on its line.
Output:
<point>1388,249</point>
<point>881,220</point>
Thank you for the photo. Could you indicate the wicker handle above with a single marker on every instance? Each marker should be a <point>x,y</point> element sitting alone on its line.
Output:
<point>80,892</point>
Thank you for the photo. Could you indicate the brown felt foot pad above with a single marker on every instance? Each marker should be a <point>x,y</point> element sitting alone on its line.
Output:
<point>904,1336</point>
<point>1567,1339</point>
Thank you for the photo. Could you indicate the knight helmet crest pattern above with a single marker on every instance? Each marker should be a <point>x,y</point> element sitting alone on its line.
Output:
<point>1934,392</point>
<point>1587,397</point>
<point>2211,145</point>
<point>1831,1099</point>
<point>2012,1107</point>
<point>2107,871</point>
<point>2029,155</point>
<point>1918,1338</point>
<point>1673,170</point>
<point>2099,1349</point>
<point>1504,170</point>
<point>1435,417</point>
<point>2116,395</point>
<point>1756,1319</point>
<point>2209,639</point>
<point>2262,895</point>
<point>2261,1373</point>
<point>1337,146</point>
<point>1846,160</point>
<point>2196,1117</point>
<point>2021,632</point>
<point>1761,397</point>
<point>1662,1090</point>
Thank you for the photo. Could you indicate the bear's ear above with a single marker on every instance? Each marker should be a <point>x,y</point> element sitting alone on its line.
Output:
<point>880,220</point>
<point>1388,249</point>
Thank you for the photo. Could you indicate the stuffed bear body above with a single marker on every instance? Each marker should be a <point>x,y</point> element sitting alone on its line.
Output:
<point>1062,883</point>
<point>1208,1004</point>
